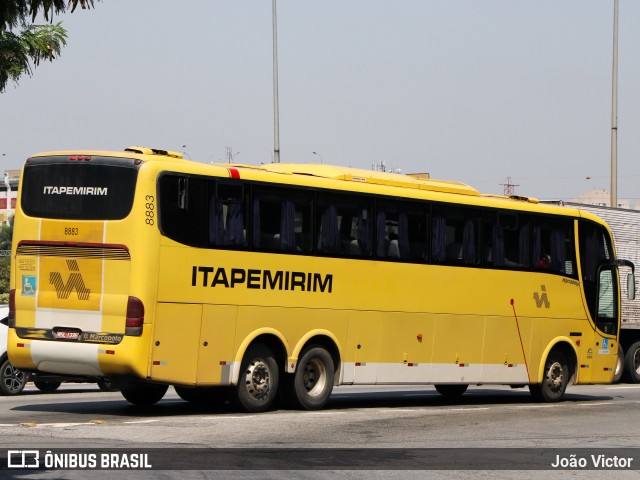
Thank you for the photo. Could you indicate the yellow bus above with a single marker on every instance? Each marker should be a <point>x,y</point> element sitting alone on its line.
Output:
<point>245,283</point>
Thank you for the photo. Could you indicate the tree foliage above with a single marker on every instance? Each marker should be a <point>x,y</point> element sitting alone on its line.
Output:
<point>6,234</point>
<point>23,45</point>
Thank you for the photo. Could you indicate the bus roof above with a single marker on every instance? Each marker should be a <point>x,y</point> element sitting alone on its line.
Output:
<point>363,176</point>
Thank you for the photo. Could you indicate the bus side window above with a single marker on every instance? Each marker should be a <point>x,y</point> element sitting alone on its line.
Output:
<point>345,227</point>
<point>182,207</point>
<point>506,240</point>
<point>553,249</point>
<point>401,231</point>
<point>454,237</point>
<point>226,216</point>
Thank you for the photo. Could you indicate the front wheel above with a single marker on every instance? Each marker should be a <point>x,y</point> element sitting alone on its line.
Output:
<point>12,379</point>
<point>632,363</point>
<point>555,379</point>
<point>258,381</point>
<point>313,380</point>
<point>142,394</point>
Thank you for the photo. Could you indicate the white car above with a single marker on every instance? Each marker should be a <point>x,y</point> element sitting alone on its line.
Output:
<point>12,380</point>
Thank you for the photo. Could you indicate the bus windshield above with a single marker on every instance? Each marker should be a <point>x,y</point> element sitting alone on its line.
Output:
<point>94,188</point>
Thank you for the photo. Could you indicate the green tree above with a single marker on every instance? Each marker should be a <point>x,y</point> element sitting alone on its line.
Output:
<point>6,234</point>
<point>23,45</point>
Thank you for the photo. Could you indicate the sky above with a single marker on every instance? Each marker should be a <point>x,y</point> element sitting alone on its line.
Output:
<point>476,91</point>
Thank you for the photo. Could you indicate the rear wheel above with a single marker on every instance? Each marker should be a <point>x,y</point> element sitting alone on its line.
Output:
<point>312,382</point>
<point>632,363</point>
<point>47,387</point>
<point>555,379</point>
<point>142,394</point>
<point>258,381</point>
<point>451,392</point>
<point>12,379</point>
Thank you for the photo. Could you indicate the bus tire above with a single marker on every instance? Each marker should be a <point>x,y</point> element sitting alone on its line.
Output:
<point>617,374</point>
<point>554,381</point>
<point>12,379</point>
<point>258,382</point>
<point>451,392</point>
<point>47,387</point>
<point>142,394</point>
<point>312,382</point>
<point>632,363</point>
<point>202,395</point>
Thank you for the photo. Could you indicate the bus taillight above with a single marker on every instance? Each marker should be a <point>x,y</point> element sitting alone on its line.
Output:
<point>135,317</point>
<point>12,308</point>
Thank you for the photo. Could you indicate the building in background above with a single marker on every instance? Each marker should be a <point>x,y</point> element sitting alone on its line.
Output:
<point>601,198</point>
<point>9,194</point>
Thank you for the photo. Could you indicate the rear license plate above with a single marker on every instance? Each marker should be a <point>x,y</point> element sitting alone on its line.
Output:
<point>67,334</point>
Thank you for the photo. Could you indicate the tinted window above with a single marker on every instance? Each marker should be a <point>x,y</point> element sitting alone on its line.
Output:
<point>344,226</point>
<point>182,206</point>
<point>506,240</point>
<point>401,231</point>
<point>282,219</point>
<point>454,235</point>
<point>96,189</point>
<point>552,246</point>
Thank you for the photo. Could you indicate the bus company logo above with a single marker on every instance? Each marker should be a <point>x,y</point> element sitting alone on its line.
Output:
<point>74,282</point>
<point>53,190</point>
<point>541,298</point>
<point>23,459</point>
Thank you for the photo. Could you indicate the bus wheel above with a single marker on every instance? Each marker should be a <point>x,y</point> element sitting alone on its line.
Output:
<point>617,375</point>
<point>555,379</point>
<point>142,394</point>
<point>451,392</point>
<point>313,380</point>
<point>47,387</point>
<point>12,380</point>
<point>202,395</point>
<point>632,363</point>
<point>258,381</point>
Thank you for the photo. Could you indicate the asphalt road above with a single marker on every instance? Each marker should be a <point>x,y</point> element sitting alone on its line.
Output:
<point>400,417</point>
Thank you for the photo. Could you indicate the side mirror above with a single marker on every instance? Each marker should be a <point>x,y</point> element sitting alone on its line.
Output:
<point>631,286</point>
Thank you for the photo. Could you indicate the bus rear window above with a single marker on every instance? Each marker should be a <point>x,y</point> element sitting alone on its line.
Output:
<point>97,189</point>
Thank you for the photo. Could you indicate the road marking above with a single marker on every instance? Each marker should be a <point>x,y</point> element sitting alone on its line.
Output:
<point>623,387</point>
<point>55,425</point>
<point>323,413</point>
<point>141,421</point>
<point>474,409</point>
<point>537,406</point>
<point>587,404</point>
<point>232,417</point>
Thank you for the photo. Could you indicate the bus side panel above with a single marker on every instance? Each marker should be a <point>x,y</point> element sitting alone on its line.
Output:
<point>217,338</point>
<point>364,346</point>
<point>176,334</point>
<point>503,357</point>
<point>406,349</point>
<point>457,349</point>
